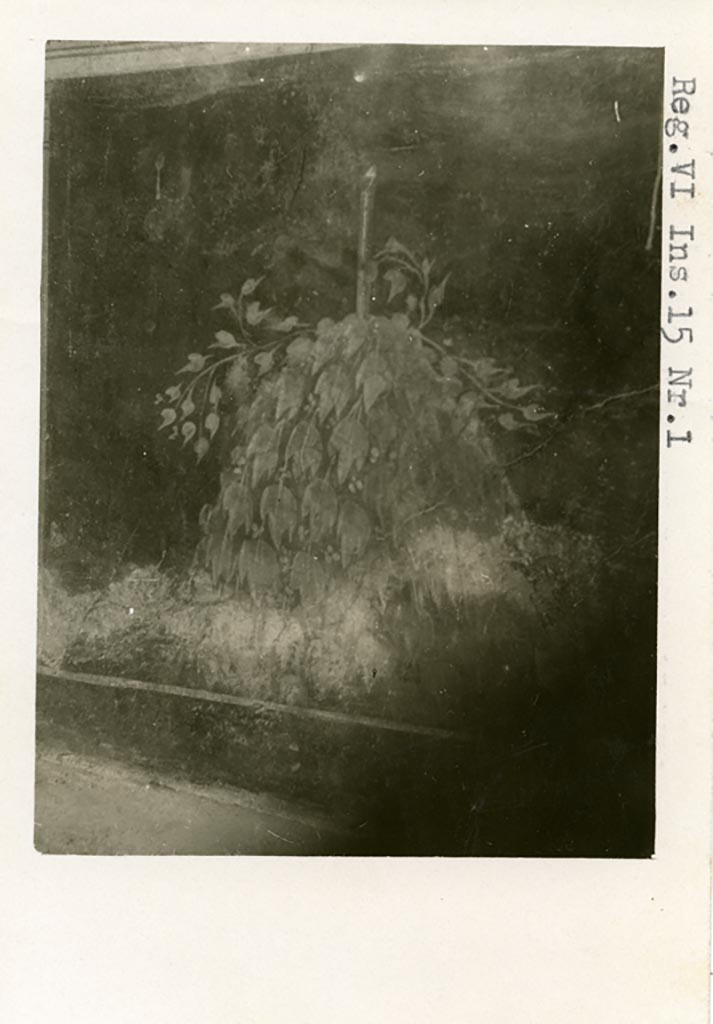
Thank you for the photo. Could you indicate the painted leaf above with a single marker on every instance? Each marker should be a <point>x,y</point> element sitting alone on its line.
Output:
<point>423,361</point>
<point>355,333</point>
<point>342,391</point>
<point>382,426</point>
<point>304,449</point>
<point>188,430</point>
<point>290,392</point>
<point>204,516</point>
<point>258,566</point>
<point>426,267</point>
<point>263,467</point>
<point>394,246</point>
<point>237,379</point>
<point>168,416</point>
<point>324,349</point>
<point>513,390</point>
<point>227,477</point>
<point>236,521</point>
<point>215,394</point>
<point>374,386</point>
<point>354,529</point>
<point>397,347</point>
<point>379,488</point>
<point>195,363</point>
<point>450,389</point>
<point>226,302</point>
<point>227,560</point>
<point>263,450</point>
<point>320,504</point>
<point>397,283</point>
<point>351,441</point>
<point>449,366</point>
<point>373,366</point>
<point>299,350</point>
<point>533,413</point>
<point>308,576</point>
<point>411,303</point>
<point>187,407</point>
<point>224,339</point>
<point>212,422</point>
<point>279,508</point>
<point>201,448</point>
<point>486,369</point>
<point>508,421</point>
<point>288,324</point>
<point>237,502</point>
<point>237,456</point>
<point>466,405</point>
<point>437,294</point>
<point>240,418</point>
<point>334,390</point>
<point>173,392</point>
<point>400,322</point>
<point>325,326</point>
<point>264,362</point>
<point>254,314</point>
<point>262,409</point>
<point>249,286</point>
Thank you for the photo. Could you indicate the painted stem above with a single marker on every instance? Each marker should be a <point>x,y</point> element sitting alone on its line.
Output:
<point>655,197</point>
<point>366,207</point>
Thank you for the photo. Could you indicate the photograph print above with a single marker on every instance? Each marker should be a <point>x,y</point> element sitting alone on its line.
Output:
<point>349,472</point>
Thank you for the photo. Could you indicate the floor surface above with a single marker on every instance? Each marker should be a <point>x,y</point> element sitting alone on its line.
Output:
<point>95,806</point>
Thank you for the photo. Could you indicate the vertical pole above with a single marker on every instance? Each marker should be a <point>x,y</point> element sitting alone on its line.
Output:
<point>366,207</point>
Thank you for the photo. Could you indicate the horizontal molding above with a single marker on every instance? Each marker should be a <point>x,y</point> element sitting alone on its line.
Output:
<point>67,59</point>
<point>215,697</point>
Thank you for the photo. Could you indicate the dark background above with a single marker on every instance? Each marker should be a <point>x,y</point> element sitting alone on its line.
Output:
<point>511,166</point>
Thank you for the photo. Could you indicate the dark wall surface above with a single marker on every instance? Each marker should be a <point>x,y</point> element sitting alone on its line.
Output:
<point>527,172</point>
<point>531,175</point>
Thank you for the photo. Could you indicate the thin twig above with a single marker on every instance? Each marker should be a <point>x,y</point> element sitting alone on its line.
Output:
<point>416,515</point>
<point>620,397</point>
<point>574,412</point>
<point>654,201</point>
<point>489,394</point>
<point>478,385</point>
<point>532,451</point>
<point>208,369</point>
<point>631,544</point>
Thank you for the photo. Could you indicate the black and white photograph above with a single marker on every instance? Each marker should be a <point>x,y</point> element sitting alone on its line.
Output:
<point>349,450</point>
<point>356,491</point>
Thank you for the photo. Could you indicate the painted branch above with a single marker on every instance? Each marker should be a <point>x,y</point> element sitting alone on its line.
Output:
<point>655,196</point>
<point>366,207</point>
